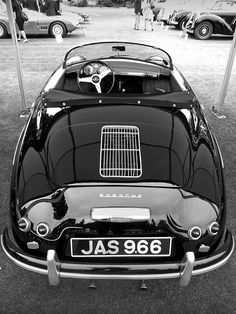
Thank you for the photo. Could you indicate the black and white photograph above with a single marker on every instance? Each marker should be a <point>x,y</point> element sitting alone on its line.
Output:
<point>117,156</point>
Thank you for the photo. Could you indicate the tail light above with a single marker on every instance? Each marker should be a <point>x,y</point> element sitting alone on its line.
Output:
<point>24,224</point>
<point>42,229</point>
<point>213,228</point>
<point>194,233</point>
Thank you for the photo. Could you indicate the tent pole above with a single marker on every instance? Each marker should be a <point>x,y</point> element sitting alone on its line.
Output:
<point>228,71</point>
<point>17,53</point>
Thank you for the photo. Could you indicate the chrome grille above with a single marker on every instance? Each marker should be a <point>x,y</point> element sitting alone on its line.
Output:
<point>120,154</point>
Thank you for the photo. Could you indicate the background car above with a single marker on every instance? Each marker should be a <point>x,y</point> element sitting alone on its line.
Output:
<point>220,19</point>
<point>168,7</point>
<point>116,174</point>
<point>41,24</point>
<point>85,16</point>
<point>178,18</point>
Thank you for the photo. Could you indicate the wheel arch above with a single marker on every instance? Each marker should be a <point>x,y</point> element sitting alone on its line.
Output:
<point>201,20</point>
<point>6,25</point>
<point>219,24</point>
<point>57,22</point>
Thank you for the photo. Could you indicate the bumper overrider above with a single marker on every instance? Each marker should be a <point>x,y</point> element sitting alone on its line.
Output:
<point>54,268</point>
<point>172,22</point>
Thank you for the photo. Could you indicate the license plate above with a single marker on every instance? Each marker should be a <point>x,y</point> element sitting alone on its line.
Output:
<point>107,247</point>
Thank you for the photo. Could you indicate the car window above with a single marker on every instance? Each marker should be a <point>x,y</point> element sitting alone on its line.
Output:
<point>224,6</point>
<point>228,6</point>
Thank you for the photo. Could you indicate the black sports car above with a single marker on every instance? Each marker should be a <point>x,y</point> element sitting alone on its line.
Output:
<point>220,19</point>
<point>117,174</point>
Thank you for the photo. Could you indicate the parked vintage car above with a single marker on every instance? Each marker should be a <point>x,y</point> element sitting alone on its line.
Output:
<point>178,18</point>
<point>85,16</point>
<point>167,9</point>
<point>41,24</point>
<point>220,19</point>
<point>116,174</point>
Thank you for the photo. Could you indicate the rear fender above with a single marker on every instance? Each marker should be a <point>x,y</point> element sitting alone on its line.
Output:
<point>6,24</point>
<point>219,24</point>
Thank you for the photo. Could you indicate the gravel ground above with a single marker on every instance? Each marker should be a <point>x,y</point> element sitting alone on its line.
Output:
<point>203,64</point>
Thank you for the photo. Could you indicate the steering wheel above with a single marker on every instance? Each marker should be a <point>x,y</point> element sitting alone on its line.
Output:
<point>97,74</point>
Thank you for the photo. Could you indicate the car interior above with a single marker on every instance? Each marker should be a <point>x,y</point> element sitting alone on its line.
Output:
<point>118,76</point>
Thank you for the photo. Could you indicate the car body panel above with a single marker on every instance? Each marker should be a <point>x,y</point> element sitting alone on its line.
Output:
<point>71,219</point>
<point>193,150</point>
<point>177,17</point>
<point>224,25</point>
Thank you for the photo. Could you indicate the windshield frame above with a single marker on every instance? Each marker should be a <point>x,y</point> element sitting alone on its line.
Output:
<point>118,44</point>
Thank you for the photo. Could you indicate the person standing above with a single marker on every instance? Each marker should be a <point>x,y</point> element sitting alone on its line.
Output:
<point>147,6</point>
<point>32,5</point>
<point>57,7</point>
<point>17,8</point>
<point>50,7</point>
<point>138,13</point>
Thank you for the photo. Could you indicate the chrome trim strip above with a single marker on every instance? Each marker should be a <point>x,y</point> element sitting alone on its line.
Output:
<point>216,265</point>
<point>120,214</point>
<point>188,262</point>
<point>21,264</point>
<point>53,267</point>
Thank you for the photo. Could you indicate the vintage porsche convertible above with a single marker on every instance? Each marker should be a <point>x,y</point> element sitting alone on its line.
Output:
<point>41,24</point>
<point>116,174</point>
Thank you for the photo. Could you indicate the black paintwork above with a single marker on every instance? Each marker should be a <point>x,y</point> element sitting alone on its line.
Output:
<point>181,16</point>
<point>55,177</point>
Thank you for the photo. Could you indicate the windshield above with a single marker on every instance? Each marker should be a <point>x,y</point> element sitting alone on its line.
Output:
<point>117,50</point>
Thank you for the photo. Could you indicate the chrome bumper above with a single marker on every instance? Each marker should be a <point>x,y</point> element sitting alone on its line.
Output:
<point>54,269</point>
<point>171,22</point>
<point>188,30</point>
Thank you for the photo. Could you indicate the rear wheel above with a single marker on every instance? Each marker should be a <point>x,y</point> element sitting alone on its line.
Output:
<point>57,29</point>
<point>3,31</point>
<point>204,30</point>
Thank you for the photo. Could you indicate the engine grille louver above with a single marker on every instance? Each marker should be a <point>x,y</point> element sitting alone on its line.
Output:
<point>120,154</point>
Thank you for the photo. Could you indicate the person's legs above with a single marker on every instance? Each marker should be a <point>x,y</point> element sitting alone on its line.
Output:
<point>145,24</point>
<point>151,21</point>
<point>24,36</point>
<point>20,24</point>
<point>137,21</point>
<point>19,36</point>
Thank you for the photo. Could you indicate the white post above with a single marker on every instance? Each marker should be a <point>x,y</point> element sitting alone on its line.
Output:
<point>16,48</point>
<point>227,76</point>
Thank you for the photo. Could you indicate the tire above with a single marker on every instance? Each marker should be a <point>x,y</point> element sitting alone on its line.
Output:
<point>3,31</point>
<point>204,30</point>
<point>57,29</point>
